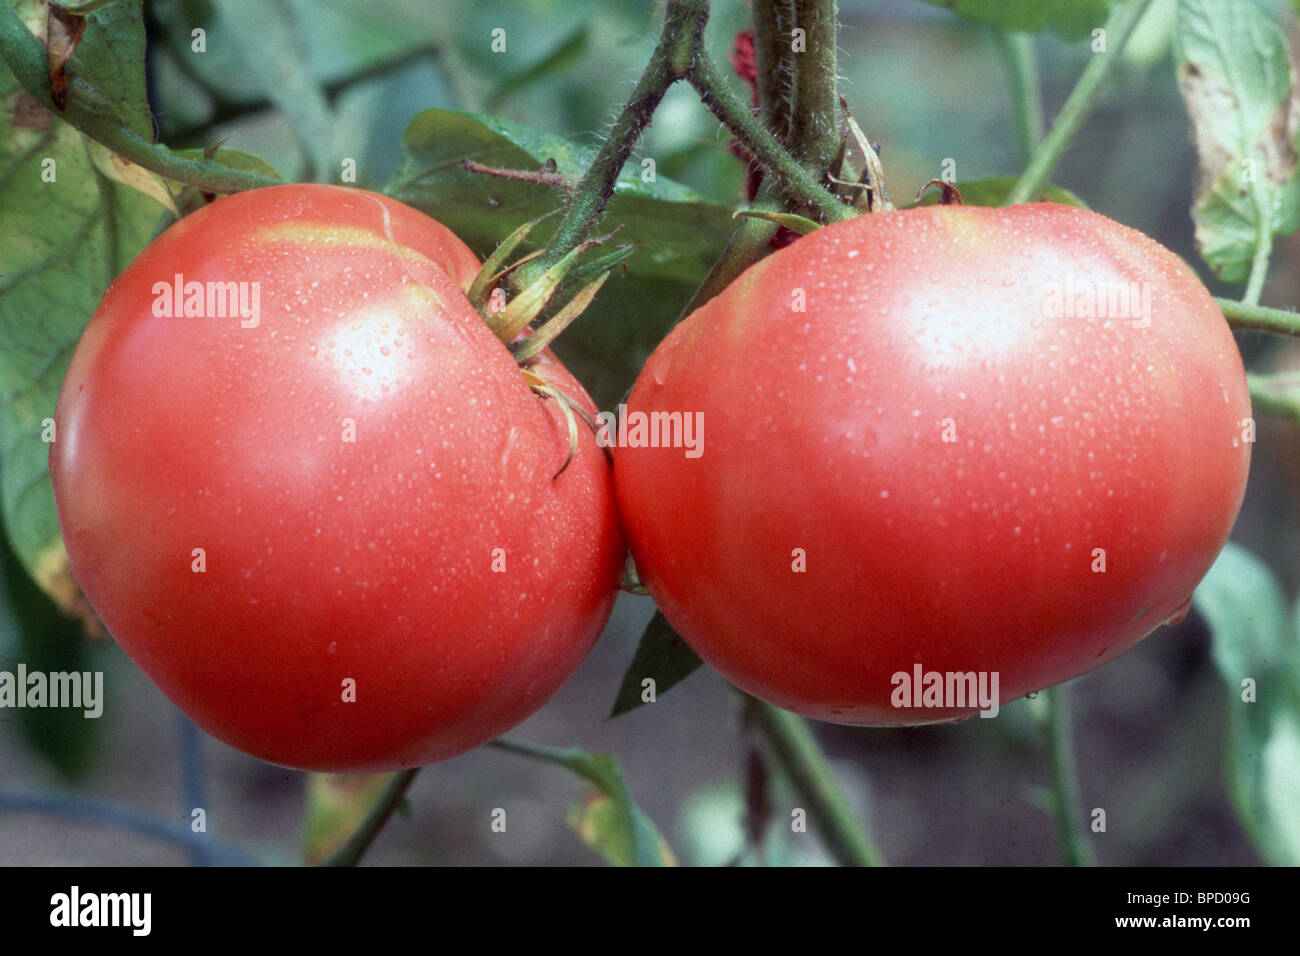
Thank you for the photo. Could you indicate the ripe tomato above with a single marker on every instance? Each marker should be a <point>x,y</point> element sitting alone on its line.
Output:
<point>326,525</point>
<point>944,441</point>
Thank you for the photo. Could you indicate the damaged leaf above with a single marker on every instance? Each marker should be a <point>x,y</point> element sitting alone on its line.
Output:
<point>63,32</point>
<point>1237,84</point>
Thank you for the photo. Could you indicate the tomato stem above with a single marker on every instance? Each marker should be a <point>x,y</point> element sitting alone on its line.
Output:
<point>351,852</point>
<point>1059,737</point>
<point>679,55</point>
<point>795,181</point>
<point>1119,27</point>
<point>815,108</point>
<point>800,756</point>
<point>1259,318</point>
<point>1018,57</point>
<point>773,20</point>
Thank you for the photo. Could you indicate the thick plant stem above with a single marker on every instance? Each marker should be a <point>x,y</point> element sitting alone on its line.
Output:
<point>1259,318</point>
<point>798,754</point>
<point>682,33</point>
<point>94,116</point>
<point>351,852</point>
<point>772,21</point>
<point>1075,850</point>
<point>795,181</point>
<point>815,112</point>
<point>680,54</point>
<point>1079,103</point>
<point>1021,64</point>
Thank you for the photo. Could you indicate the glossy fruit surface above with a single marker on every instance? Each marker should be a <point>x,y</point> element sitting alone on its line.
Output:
<point>325,524</point>
<point>948,440</point>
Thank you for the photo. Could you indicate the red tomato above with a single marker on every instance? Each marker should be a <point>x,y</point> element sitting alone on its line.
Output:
<point>326,527</point>
<point>925,453</point>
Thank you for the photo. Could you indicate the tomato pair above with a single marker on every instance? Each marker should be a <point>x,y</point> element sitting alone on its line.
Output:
<point>315,499</point>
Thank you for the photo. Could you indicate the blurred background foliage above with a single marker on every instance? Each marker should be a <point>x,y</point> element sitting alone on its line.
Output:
<point>308,84</point>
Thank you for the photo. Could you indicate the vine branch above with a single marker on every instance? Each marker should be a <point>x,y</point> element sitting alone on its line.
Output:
<point>1059,738</point>
<point>1119,27</point>
<point>351,852</point>
<point>799,755</point>
<point>92,114</point>
<point>679,55</point>
<point>815,108</point>
<point>1259,318</point>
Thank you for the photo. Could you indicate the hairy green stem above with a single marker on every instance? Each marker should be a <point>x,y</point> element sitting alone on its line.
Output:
<point>352,851</point>
<point>1079,103</point>
<point>795,181</point>
<point>1259,318</point>
<point>93,115</point>
<point>679,54</point>
<point>815,111</point>
<point>682,34</point>
<point>1017,50</point>
<point>1058,736</point>
<point>801,758</point>
<point>772,53</point>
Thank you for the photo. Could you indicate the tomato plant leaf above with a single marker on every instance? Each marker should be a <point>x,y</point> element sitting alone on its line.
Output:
<point>1070,18</point>
<point>337,805</point>
<point>677,234</point>
<point>661,656</point>
<point>1257,653</point>
<point>993,191</point>
<point>607,820</point>
<point>66,231</point>
<point>1236,81</point>
<point>601,823</point>
<point>109,57</point>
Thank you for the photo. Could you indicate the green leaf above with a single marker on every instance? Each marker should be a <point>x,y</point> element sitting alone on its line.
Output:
<point>993,191</point>
<point>607,819</point>
<point>111,58</point>
<point>1255,641</point>
<point>1072,19</point>
<point>662,656</point>
<point>1236,82</point>
<point>677,233</point>
<point>62,242</point>
<point>801,225</point>
<point>337,805</point>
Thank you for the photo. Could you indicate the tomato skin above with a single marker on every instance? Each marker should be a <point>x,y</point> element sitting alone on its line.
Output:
<point>327,559</point>
<point>824,430</point>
